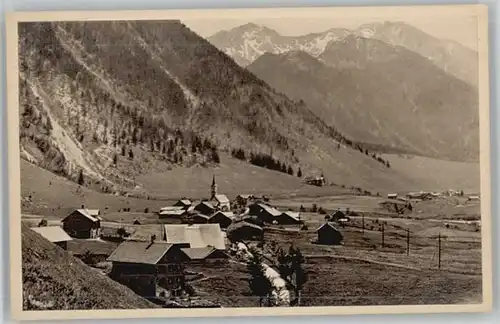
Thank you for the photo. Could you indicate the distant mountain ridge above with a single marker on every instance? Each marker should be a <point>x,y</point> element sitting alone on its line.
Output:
<point>381,94</point>
<point>246,43</point>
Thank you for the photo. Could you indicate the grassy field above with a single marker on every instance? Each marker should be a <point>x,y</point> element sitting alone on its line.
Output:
<point>433,174</point>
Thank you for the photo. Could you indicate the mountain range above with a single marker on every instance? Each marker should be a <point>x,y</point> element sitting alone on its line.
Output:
<point>381,94</point>
<point>387,85</point>
<point>247,42</point>
<point>102,103</point>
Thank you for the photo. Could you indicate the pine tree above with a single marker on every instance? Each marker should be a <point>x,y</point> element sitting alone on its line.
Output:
<point>115,159</point>
<point>215,156</point>
<point>259,284</point>
<point>290,170</point>
<point>81,180</point>
<point>299,173</point>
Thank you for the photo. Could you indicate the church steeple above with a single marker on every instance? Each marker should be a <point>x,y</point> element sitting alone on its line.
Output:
<point>213,187</point>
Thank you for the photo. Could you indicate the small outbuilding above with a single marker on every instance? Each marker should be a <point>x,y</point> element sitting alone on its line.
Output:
<point>329,235</point>
<point>54,234</point>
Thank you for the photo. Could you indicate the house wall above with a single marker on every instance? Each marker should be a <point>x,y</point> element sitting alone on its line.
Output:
<point>79,226</point>
<point>140,278</point>
<point>329,236</point>
<point>223,221</point>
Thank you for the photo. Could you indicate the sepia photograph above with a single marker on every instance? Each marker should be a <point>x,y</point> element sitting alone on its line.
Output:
<point>275,161</point>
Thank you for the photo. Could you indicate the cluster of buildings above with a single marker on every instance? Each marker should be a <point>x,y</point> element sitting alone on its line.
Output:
<point>218,210</point>
<point>152,260</point>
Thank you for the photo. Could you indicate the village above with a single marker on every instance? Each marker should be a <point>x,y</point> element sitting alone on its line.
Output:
<point>178,258</point>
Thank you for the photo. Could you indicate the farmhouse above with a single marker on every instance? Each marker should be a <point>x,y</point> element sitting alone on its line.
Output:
<point>392,196</point>
<point>204,254</point>
<point>54,234</point>
<point>142,266</point>
<point>243,231</point>
<point>264,212</point>
<point>184,203</point>
<point>205,208</point>
<point>224,219</point>
<point>289,218</point>
<point>329,235</point>
<point>196,235</point>
<point>81,224</point>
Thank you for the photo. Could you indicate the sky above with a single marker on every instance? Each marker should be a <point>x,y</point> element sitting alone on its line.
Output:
<point>459,29</point>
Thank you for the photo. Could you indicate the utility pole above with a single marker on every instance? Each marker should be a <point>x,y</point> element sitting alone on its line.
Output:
<point>407,241</point>
<point>383,235</point>
<point>439,251</point>
<point>363,222</point>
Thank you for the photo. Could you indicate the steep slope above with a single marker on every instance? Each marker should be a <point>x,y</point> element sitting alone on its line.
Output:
<point>107,102</point>
<point>248,42</point>
<point>53,279</point>
<point>381,94</point>
<point>454,58</point>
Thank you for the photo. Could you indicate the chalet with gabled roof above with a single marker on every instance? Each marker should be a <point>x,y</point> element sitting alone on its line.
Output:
<point>224,219</point>
<point>142,266</point>
<point>205,208</point>
<point>264,212</point>
<point>82,223</point>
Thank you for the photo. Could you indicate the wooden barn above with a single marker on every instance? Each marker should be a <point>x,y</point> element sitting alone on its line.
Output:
<point>142,266</point>
<point>81,224</point>
<point>244,231</point>
<point>264,212</point>
<point>54,234</point>
<point>205,208</point>
<point>289,218</point>
<point>329,235</point>
<point>224,219</point>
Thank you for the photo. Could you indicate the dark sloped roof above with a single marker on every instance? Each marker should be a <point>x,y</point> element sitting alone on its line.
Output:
<point>329,225</point>
<point>139,252</point>
<point>86,213</point>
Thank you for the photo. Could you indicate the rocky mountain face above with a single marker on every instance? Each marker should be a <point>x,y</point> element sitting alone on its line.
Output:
<point>383,95</point>
<point>248,42</point>
<point>104,102</point>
